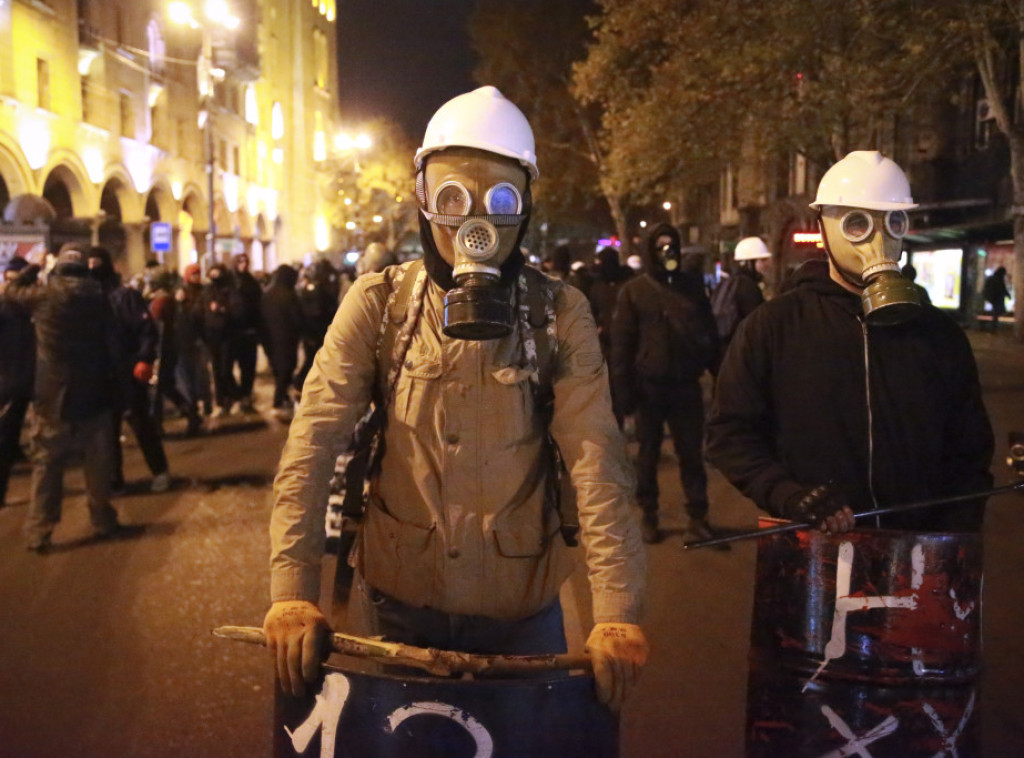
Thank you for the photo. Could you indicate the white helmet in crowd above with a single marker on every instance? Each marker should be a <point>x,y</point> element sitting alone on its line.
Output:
<point>751,249</point>
<point>485,120</point>
<point>865,179</point>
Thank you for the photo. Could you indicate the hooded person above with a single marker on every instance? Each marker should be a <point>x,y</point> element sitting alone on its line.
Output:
<point>457,551</point>
<point>663,340</point>
<point>848,361</point>
<point>139,341</point>
<point>17,372</point>
<point>283,325</point>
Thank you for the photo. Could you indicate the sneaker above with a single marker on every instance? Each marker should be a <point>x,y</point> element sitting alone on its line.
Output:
<point>649,531</point>
<point>161,483</point>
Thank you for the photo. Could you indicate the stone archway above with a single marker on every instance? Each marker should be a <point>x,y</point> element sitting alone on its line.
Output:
<point>63,191</point>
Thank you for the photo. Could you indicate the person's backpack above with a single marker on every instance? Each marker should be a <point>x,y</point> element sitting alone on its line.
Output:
<point>725,308</point>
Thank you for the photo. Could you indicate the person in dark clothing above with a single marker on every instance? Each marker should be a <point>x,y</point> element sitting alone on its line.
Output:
<point>606,278</point>
<point>995,292</point>
<point>221,312</point>
<point>245,335</point>
<point>910,273</point>
<point>164,309</point>
<point>138,341</point>
<point>74,394</point>
<point>318,298</point>
<point>737,296</point>
<point>192,374</point>
<point>663,339</point>
<point>17,368</point>
<point>282,320</point>
<point>829,402</point>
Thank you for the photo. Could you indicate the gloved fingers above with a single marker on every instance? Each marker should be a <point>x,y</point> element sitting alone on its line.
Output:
<point>312,653</point>
<point>604,678</point>
<point>839,522</point>
<point>293,664</point>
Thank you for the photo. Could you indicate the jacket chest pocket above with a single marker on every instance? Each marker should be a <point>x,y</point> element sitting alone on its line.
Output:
<point>417,392</point>
<point>507,406</point>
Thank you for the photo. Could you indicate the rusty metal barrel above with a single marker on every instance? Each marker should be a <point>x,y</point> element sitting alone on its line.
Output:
<point>867,638</point>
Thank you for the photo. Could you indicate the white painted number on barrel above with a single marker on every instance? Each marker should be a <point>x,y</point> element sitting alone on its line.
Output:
<point>330,702</point>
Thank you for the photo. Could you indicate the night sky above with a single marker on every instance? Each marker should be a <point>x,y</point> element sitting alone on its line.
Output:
<point>402,58</point>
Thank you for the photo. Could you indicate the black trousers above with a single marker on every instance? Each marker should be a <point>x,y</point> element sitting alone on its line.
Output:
<point>137,411</point>
<point>12,418</point>
<point>225,388</point>
<point>681,406</point>
<point>244,350</point>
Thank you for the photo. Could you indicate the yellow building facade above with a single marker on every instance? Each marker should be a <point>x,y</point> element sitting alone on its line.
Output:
<point>115,112</point>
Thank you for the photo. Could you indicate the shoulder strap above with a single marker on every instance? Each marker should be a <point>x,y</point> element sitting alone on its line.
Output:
<point>395,313</point>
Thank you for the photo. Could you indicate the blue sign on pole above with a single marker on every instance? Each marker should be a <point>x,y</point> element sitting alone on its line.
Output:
<point>160,237</point>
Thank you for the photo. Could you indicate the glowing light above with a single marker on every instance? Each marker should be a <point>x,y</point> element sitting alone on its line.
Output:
<point>350,225</point>
<point>278,156</point>
<point>277,121</point>
<point>176,188</point>
<point>252,111</point>
<point>86,55</point>
<point>270,202</point>
<point>807,238</point>
<point>230,184</point>
<point>92,157</point>
<point>342,141</point>
<point>140,160</point>
<point>667,205</point>
<point>319,147</point>
<point>348,201</point>
<point>330,10</point>
<point>155,90</point>
<point>322,233</point>
<point>217,11</point>
<point>643,224</point>
<point>34,137</point>
<point>253,195</point>
<point>363,142</point>
<point>378,218</point>
<point>180,13</point>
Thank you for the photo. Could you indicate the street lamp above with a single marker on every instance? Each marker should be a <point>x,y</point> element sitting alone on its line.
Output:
<point>217,13</point>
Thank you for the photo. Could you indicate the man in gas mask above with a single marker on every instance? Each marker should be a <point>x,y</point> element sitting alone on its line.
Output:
<point>663,340</point>
<point>846,392</point>
<point>485,364</point>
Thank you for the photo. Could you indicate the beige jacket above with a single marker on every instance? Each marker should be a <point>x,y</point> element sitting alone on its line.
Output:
<point>459,521</point>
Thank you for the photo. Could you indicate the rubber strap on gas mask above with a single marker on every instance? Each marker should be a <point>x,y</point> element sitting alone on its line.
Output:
<point>498,219</point>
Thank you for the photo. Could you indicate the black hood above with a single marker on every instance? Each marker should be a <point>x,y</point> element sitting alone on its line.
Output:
<point>606,265</point>
<point>104,273</point>
<point>814,275</point>
<point>285,277</point>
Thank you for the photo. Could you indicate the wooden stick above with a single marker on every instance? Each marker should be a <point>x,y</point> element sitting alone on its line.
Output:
<point>433,660</point>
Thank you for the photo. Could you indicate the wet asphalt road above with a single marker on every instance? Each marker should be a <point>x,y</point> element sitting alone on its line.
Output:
<point>106,647</point>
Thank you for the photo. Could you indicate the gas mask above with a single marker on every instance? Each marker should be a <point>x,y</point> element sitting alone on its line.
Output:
<point>865,247</point>
<point>474,202</point>
<point>668,256</point>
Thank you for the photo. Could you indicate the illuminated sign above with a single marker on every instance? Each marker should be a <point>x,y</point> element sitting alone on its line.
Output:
<point>807,238</point>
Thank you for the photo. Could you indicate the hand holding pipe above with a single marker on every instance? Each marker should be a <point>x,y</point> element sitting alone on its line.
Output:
<point>432,660</point>
<point>1019,486</point>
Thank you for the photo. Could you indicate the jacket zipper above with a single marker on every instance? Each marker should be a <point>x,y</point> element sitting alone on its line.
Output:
<point>871,421</point>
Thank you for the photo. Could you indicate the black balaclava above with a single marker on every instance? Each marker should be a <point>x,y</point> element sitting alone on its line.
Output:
<point>103,273</point>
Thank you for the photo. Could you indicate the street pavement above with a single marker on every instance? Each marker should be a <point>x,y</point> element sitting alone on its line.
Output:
<point>106,646</point>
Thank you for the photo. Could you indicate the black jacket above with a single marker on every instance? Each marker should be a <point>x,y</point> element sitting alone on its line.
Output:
<point>662,330</point>
<point>282,319</point>
<point>17,352</point>
<point>792,407</point>
<point>76,345</point>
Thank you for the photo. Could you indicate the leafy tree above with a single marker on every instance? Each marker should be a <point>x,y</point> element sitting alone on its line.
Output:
<point>527,52</point>
<point>376,182</point>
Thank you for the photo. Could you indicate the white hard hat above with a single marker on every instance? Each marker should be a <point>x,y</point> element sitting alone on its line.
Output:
<point>485,120</point>
<point>750,249</point>
<point>865,179</point>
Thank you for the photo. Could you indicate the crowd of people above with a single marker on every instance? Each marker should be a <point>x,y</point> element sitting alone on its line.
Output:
<point>89,353</point>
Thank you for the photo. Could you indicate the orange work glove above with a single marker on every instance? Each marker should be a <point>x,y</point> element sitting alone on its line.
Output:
<point>297,635</point>
<point>618,651</point>
<point>143,371</point>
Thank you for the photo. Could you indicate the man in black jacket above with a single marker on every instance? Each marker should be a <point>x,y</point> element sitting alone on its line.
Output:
<point>75,392</point>
<point>138,341</point>
<point>663,339</point>
<point>846,390</point>
<point>245,336</point>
